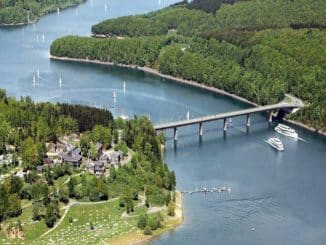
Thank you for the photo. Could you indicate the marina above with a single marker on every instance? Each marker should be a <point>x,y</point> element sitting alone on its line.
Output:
<point>205,190</point>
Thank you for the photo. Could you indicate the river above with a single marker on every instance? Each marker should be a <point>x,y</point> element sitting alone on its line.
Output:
<point>275,198</point>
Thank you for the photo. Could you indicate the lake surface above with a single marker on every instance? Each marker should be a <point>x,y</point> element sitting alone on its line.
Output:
<point>276,198</point>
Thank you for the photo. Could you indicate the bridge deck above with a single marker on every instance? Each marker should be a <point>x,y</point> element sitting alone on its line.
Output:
<point>225,115</point>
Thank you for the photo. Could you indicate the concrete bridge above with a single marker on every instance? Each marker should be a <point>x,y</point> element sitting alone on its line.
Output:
<point>287,107</point>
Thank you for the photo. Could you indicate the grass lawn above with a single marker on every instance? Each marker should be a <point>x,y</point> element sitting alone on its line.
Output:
<point>32,230</point>
<point>58,183</point>
<point>106,219</point>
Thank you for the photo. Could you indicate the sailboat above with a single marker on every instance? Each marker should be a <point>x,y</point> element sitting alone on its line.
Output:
<point>114,95</point>
<point>105,7</point>
<point>188,115</point>
<point>38,73</point>
<point>60,82</point>
<point>58,10</point>
<point>34,81</point>
<point>43,37</point>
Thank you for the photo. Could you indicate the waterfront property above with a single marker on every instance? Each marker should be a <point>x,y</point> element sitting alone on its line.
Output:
<point>287,107</point>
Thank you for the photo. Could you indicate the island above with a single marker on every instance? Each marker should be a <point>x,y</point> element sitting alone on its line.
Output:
<point>256,50</point>
<point>72,174</point>
<point>29,11</point>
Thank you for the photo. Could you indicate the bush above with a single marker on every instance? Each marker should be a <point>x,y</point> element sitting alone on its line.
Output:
<point>64,195</point>
<point>91,226</point>
<point>147,231</point>
<point>142,221</point>
<point>49,221</point>
<point>38,210</point>
<point>171,209</point>
<point>153,223</point>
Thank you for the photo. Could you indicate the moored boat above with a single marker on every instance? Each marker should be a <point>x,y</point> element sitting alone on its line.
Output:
<point>286,130</point>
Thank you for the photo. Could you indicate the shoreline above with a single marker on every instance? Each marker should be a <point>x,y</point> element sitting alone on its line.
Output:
<point>137,237</point>
<point>186,82</point>
<point>40,16</point>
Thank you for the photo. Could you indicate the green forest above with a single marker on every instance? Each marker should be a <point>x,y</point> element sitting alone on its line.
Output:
<point>259,50</point>
<point>22,12</point>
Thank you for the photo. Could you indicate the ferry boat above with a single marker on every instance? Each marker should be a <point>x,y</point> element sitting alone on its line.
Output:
<point>276,143</point>
<point>286,130</point>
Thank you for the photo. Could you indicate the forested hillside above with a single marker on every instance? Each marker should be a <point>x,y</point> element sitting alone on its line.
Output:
<point>25,120</point>
<point>209,6</point>
<point>259,50</point>
<point>23,12</point>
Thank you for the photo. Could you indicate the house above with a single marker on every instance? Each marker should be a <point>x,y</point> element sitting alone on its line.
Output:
<point>72,156</point>
<point>47,160</point>
<point>40,168</point>
<point>96,167</point>
<point>105,158</point>
<point>117,156</point>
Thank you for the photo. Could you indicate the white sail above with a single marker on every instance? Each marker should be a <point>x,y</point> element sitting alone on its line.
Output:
<point>188,115</point>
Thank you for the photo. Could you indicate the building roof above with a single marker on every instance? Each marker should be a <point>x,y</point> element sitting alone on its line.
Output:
<point>77,151</point>
<point>72,158</point>
<point>99,168</point>
<point>104,157</point>
<point>116,154</point>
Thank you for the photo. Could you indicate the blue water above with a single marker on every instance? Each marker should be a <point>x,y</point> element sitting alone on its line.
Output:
<point>276,197</point>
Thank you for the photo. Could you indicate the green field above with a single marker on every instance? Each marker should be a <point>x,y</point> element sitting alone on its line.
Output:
<point>106,219</point>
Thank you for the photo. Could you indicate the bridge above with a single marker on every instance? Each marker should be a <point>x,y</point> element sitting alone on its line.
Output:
<point>288,107</point>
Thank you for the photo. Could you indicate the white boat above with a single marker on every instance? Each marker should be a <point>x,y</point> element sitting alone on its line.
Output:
<point>276,143</point>
<point>114,95</point>
<point>286,130</point>
<point>188,115</point>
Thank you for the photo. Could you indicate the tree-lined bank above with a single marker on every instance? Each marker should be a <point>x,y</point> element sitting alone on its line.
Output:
<point>24,12</point>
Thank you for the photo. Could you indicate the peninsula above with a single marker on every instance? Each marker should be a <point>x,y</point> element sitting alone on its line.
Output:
<point>259,57</point>
<point>73,174</point>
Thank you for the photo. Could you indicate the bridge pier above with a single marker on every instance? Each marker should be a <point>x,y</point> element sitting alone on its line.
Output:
<point>200,129</point>
<point>270,118</point>
<point>175,134</point>
<point>248,121</point>
<point>225,127</point>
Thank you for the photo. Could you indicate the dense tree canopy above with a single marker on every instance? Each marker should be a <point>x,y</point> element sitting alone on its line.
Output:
<point>28,125</point>
<point>18,12</point>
